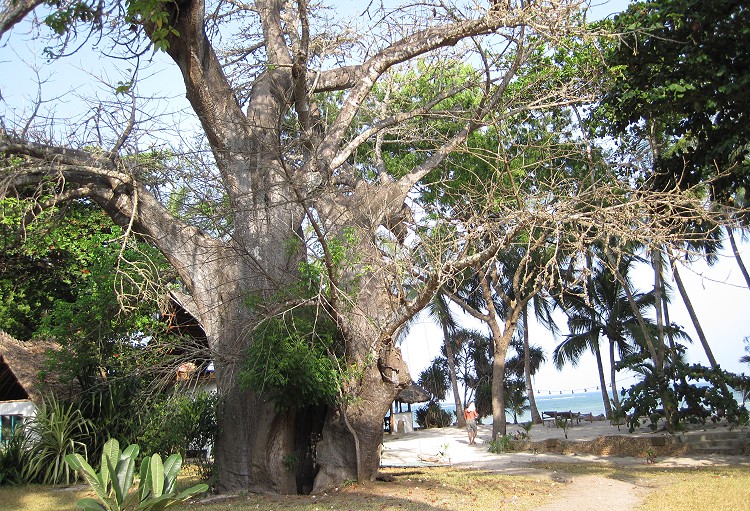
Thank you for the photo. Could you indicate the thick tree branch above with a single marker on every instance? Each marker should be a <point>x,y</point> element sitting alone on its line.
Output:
<point>13,11</point>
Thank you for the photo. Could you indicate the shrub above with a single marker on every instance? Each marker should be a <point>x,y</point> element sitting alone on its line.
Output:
<point>183,422</point>
<point>56,431</point>
<point>694,394</point>
<point>12,459</point>
<point>500,445</point>
<point>292,361</point>
<point>115,408</point>
<point>112,484</point>
<point>432,416</point>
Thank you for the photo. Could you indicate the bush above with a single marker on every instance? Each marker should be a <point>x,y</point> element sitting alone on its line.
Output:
<point>56,431</point>
<point>112,484</point>
<point>181,423</point>
<point>12,459</point>
<point>432,416</point>
<point>500,445</point>
<point>292,361</point>
<point>694,393</point>
<point>116,409</point>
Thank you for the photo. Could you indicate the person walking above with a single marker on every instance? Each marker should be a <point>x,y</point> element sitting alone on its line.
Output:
<point>471,415</point>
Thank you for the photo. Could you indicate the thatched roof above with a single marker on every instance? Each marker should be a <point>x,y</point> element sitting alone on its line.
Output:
<point>413,394</point>
<point>21,363</point>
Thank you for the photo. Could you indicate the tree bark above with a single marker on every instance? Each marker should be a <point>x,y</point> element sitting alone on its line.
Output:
<point>602,379</point>
<point>693,316</point>
<point>535,417</point>
<point>460,420</point>
<point>736,252</point>
<point>613,376</point>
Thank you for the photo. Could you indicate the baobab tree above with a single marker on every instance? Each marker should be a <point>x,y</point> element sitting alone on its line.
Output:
<point>304,121</point>
<point>296,137</point>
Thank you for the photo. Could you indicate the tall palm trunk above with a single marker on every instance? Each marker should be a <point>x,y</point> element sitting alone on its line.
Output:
<point>659,292</point>
<point>460,420</point>
<point>652,346</point>
<point>613,376</point>
<point>602,379</point>
<point>535,417</point>
<point>736,252</point>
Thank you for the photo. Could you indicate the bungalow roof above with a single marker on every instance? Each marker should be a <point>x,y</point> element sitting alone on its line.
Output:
<point>21,370</point>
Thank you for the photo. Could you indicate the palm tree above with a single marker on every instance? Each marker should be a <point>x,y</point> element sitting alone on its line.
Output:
<point>439,310</point>
<point>434,379</point>
<point>515,398</point>
<point>602,309</point>
<point>525,364</point>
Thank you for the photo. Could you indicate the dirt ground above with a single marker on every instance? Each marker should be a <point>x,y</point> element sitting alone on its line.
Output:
<point>588,442</point>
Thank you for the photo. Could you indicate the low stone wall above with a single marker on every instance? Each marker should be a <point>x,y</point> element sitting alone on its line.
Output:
<point>618,445</point>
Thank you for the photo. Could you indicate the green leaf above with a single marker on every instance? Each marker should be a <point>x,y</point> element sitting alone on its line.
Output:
<point>89,504</point>
<point>126,467</point>
<point>110,456</point>
<point>157,475</point>
<point>155,503</point>
<point>89,474</point>
<point>115,482</point>
<point>172,467</point>
<point>191,492</point>
<point>144,488</point>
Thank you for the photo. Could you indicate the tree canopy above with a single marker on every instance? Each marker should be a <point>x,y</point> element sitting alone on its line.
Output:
<point>681,70</point>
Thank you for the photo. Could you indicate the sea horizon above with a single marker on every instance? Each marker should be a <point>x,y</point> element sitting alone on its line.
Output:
<point>581,402</point>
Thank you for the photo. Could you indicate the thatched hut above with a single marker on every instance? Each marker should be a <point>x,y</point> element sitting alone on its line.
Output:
<point>400,420</point>
<point>21,385</point>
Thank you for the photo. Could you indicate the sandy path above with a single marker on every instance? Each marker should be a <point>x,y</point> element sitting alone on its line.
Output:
<point>449,446</point>
<point>594,493</point>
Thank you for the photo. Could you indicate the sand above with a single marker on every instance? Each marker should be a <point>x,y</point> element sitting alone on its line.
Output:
<point>450,446</point>
<point>597,441</point>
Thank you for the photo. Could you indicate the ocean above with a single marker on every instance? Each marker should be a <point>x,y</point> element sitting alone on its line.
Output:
<point>583,402</point>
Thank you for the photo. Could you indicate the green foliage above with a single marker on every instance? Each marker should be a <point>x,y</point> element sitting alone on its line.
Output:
<point>695,394</point>
<point>290,461</point>
<point>432,416</point>
<point>58,430</point>
<point>563,423</point>
<point>181,423</point>
<point>501,444</point>
<point>65,15</point>
<point>154,14</point>
<point>66,19</point>
<point>12,458</point>
<point>435,379</point>
<point>526,430</point>
<point>681,71</point>
<point>112,484</point>
<point>516,400</point>
<point>293,360</point>
<point>115,407</point>
<point>67,276</point>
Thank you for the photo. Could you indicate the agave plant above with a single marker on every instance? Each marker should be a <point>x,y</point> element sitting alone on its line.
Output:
<point>113,483</point>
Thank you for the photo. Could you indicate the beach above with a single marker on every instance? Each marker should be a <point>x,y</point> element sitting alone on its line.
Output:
<point>449,446</point>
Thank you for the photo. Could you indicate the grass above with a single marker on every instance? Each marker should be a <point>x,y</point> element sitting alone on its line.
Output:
<point>36,497</point>
<point>446,489</point>
<point>428,489</point>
